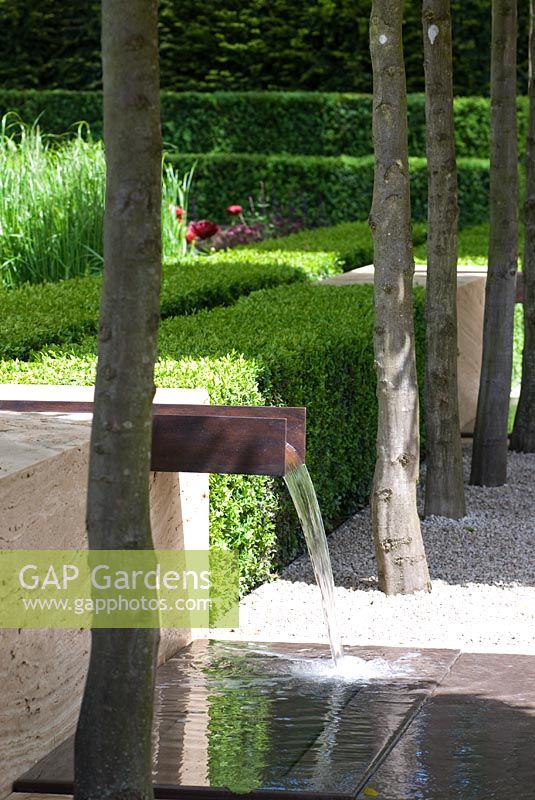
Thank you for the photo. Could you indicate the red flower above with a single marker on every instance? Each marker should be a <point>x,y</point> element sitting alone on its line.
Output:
<point>234,210</point>
<point>203,229</point>
<point>190,234</point>
<point>179,212</point>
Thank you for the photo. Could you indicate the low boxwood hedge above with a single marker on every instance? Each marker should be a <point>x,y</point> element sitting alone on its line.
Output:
<point>305,345</point>
<point>317,189</point>
<point>34,316</point>
<point>242,508</point>
<point>37,315</point>
<point>351,242</point>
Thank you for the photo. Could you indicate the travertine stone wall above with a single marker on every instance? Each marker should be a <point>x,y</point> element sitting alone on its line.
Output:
<point>470,310</point>
<point>43,474</point>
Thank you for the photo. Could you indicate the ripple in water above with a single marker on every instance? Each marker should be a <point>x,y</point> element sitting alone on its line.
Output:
<point>352,669</point>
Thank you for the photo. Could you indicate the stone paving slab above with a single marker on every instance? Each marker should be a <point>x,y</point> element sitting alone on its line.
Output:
<point>473,739</point>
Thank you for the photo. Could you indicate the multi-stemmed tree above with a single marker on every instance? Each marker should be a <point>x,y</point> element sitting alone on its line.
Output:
<point>113,739</point>
<point>402,564</point>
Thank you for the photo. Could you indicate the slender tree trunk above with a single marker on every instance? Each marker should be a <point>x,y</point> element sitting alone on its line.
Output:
<point>113,740</point>
<point>402,564</point>
<point>523,436</point>
<point>489,457</point>
<point>444,488</point>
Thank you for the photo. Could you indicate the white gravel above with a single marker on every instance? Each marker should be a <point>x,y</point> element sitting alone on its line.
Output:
<point>482,569</point>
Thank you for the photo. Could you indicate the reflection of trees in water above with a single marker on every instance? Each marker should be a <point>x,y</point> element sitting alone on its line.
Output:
<point>239,742</point>
<point>211,723</point>
<point>282,732</point>
<point>268,730</point>
<point>180,725</point>
<point>249,720</point>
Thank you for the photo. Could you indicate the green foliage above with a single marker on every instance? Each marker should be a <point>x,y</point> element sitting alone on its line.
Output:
<point>471,33</point>
<point>292,123</point>
<point>37,315</point>
<point>297,345</point>
<point>302,123</point>
<point>311,353</point>
<point>313,265</point>
<point>518,346</point>
<point>252,44</point>
<point>350,242</point>
<point>472,125</point>
<point>320,190</point>
<point>34,316</point>
<point>51,206</point>
<point>239,743</point>
<point>57,111</point>
<point>49,44</point>
<point>472,246</point>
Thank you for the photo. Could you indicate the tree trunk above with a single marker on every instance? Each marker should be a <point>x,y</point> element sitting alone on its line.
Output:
<point>523,436</point>
<point>489,457</point>
<point>113,739</point>
<point>444,488</point>
<point>398,542</point>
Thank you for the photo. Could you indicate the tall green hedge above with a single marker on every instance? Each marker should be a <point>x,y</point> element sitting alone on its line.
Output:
<point>320,190</point>
<point>298,345</point>
<point>294,123</point>
<point>241,44</point>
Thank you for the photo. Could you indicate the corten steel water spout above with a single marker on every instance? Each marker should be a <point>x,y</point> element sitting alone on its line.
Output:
<point>248,440</point>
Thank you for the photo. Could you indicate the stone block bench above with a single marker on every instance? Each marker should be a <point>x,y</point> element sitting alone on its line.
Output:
<point>470,310</point>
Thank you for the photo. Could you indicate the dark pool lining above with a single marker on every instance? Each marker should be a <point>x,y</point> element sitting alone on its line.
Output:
<point>393,740</point>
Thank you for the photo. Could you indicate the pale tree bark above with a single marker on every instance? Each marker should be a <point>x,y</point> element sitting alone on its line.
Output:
<point>402,565</point>
<point>523,436</point>
<point>489,457</point>
<point>444,487</point>
<point>113,739</point>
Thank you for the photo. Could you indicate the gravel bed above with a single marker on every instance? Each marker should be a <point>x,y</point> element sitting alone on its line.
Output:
<point>482,568</point>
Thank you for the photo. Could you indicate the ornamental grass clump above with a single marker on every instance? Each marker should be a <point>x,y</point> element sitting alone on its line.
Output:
<point>51,204</point>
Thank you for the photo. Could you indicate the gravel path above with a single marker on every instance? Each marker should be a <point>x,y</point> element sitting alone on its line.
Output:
<point>482,568</point>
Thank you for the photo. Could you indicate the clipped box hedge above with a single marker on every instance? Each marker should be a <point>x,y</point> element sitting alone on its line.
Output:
<point>298,123</point>
<point>242,508</point>
<point>55,313</point>
<point>34,316</point>
<point>301,344</point>
<point>350,242</point>
<point>318,189</point>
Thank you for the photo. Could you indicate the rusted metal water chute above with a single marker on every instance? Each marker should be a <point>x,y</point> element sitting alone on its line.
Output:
<point>248,440</point>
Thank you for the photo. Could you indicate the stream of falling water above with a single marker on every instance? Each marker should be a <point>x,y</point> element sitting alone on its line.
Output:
<point>304,497</point>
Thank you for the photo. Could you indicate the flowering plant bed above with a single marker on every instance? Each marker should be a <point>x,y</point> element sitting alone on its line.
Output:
<point>201,236</point>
